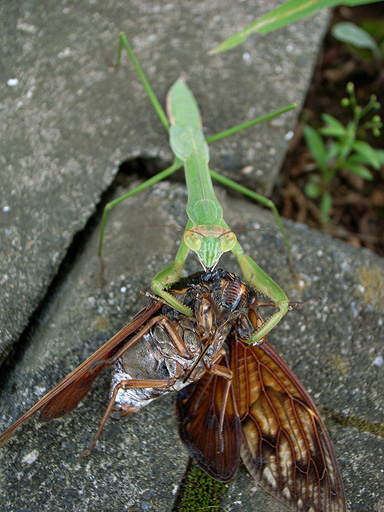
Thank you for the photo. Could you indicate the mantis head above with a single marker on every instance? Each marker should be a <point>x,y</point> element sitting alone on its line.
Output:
<point>209,243</point>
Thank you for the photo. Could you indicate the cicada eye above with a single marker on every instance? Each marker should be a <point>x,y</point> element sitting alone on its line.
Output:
<point>227,241</point>
<point>192,240</point>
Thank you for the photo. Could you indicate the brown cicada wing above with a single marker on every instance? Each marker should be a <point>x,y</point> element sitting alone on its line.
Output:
<point>199,410</point>
<point>286,446</point>
<point>70,391</point>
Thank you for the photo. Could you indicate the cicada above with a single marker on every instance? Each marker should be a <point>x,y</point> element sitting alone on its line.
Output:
<point>159,351</point>
<point>252,407</point>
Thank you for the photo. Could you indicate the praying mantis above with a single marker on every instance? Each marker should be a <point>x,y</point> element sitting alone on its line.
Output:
<point>206,233</point>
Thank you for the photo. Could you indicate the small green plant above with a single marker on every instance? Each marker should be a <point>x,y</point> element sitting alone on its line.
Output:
<point>335,147</point>
<point>359,38</point>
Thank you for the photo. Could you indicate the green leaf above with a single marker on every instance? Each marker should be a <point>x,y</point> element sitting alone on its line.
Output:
<point>312,190</point>
<point>333,151</point>
<point>360,170</point>
<point>289,12</point>
<point>316,146</point>
<point>358,159</point>
<point>380,155</point>
<point>325,207</point>
<point>350,33</point>
<point>367,151</point>
<point>334,128</point>
<point>328,131</point>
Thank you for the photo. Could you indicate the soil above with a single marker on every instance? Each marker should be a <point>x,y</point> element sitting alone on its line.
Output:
<point>357,214</point>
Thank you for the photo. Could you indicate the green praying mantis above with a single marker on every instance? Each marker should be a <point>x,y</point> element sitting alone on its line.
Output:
<point>206,233</point>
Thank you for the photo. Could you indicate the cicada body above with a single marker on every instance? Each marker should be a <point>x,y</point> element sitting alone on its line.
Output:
<point>159,351</point>
<point>177,349</point>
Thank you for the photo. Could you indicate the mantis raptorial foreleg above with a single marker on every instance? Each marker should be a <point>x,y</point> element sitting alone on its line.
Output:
<point>207,234</point>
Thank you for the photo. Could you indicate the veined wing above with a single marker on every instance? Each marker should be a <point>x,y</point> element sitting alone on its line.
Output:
<point>199,409</point>
<point>69,392</point>
<point>286,446</point>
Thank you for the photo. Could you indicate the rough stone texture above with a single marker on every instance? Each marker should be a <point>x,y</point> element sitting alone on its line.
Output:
<point>334,346</point>
<point>63,136</point>
<point>72,118</point>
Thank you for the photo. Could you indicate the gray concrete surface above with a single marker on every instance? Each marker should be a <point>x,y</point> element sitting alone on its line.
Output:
<point>67,125</point>
<point>334,346</point>
<point>72,118</point>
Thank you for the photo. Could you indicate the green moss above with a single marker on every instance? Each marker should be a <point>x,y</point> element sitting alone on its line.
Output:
<point>364,426</point>
<point>200,493</point>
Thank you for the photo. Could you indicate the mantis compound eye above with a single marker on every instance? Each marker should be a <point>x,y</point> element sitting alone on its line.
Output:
<point>192,240</point>
<point>227,241</point>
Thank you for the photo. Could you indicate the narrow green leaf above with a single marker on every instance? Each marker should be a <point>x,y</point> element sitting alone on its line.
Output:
<point>350,33</point>
<point>325,207</point>
<point>316,146</point>
<point>358,159</point>
<point>289,12</point>
<point>334,128</point>
<point>328,131</point>
<point>361,171</point>
<point>364,149</point>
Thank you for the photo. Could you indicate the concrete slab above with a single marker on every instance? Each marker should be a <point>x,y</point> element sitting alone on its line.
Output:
<point>334,346</point>
<point>69,119</point>
<point>68,124</point>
